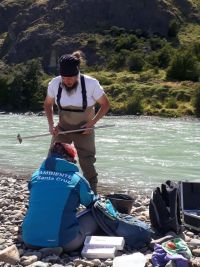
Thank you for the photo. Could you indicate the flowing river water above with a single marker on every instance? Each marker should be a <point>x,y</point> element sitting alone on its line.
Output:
<point>138,153</point>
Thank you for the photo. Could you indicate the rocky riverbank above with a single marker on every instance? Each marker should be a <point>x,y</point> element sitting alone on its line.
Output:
<point>13,205</point>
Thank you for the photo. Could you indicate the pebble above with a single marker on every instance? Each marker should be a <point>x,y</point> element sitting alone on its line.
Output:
<point>108,262</point>
<point>96,262</point>
<point>28,260</point>
<point>196,252</point>
<point>190,234</point>
<point>10,255</point>
<point>50,251</point>
<point>194,242</point>
<point>39,264</point>
<point>83,262</point>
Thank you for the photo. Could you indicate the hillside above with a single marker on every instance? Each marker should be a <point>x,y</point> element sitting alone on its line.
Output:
<point>46,29</point>
<point>145,53</point>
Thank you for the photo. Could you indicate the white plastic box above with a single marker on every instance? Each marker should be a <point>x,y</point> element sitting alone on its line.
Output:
<point>98,252</point>
<point>105,241</point>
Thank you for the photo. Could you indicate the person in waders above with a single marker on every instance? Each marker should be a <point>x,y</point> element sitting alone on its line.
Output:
<point>75,95</point>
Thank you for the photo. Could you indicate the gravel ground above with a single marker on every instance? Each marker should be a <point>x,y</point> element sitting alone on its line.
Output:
<point>13,204</point>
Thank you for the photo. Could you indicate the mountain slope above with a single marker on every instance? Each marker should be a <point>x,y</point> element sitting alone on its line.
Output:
<point>46,29</point>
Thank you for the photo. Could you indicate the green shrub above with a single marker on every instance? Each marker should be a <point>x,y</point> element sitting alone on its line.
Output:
<point>134,105</point>
<point>184,66</point>
<point>196,102</point>
<point>164,56</point>
<point>171,104</point>
<point>135,62</point>
<point>117,62</point>
<point>125,42</point>
<point>174,27</point>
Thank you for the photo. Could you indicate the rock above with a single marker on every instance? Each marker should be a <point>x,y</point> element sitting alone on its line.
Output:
<point>190,234</point>
<point>70,264</point>
<point>33,253</point>
<point>139,209</point>
<point>194,242</point>
<point>2,241</point>
<point>185,237</point>
<point>109,262</point>
<point>39,264</point>
<point>196,252</point>
<point>58,265</point>
<point>3,246</point>
<point>195,262</point>
<point>96,262</point>
<point>10,255</point>
<point>50,251</point>
<point>78,262</point>
<point>51,258</point>
<point>148,256</point>
<point>27,260</point>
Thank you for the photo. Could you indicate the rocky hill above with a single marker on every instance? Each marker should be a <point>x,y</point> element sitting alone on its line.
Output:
<point>46,29</point>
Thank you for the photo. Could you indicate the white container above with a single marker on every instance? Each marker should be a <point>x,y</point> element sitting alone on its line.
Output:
<point>105,242</point>
<point>132,260</point>
<point>100,252</point>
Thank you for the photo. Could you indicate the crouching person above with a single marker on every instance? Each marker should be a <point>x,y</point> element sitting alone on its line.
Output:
<point>56,191</point>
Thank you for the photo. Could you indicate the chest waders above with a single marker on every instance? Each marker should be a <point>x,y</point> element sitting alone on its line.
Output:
<point>72,118</point>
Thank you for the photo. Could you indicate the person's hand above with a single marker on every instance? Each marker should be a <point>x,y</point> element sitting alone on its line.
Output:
<point>89,124</point>
<point>53,130</point>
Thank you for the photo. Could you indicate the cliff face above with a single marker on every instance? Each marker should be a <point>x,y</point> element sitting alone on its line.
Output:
<point>47,29</point>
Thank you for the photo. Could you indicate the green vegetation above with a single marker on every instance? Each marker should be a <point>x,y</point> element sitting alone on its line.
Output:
<point>142,73</point>
<point>21,87</point>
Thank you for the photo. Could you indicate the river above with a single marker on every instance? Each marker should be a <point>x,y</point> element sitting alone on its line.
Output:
<point>138,153</point>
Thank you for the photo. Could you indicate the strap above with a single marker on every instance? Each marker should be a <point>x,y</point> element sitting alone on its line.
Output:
<point>84,97</point>
<point>59,96</point>
<point>84,93</point>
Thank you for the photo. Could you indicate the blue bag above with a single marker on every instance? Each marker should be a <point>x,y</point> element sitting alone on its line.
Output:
<point>135,232</point>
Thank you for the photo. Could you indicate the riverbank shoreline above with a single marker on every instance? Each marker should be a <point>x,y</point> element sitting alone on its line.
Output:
<point>103,189</point>
<point>42,114</point>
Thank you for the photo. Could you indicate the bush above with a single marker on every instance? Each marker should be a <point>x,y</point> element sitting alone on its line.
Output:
<point>184,66</point>
<point>136,62</point>
<point>196,102</point>
<point>164,56</point>
<point>172,103</point>
<point>125,42</point>
<point>174,27</point>
<point>117,62</point>
<point>134,105</point>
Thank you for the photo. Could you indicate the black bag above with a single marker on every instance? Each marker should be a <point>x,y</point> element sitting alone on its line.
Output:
<point>135,232</point>
<point>164,208</point>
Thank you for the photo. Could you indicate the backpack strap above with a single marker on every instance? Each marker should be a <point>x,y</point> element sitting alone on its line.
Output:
<point>84,97</point>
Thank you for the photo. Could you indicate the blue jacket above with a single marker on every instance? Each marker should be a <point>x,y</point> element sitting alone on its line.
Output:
<point>56,190</point>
